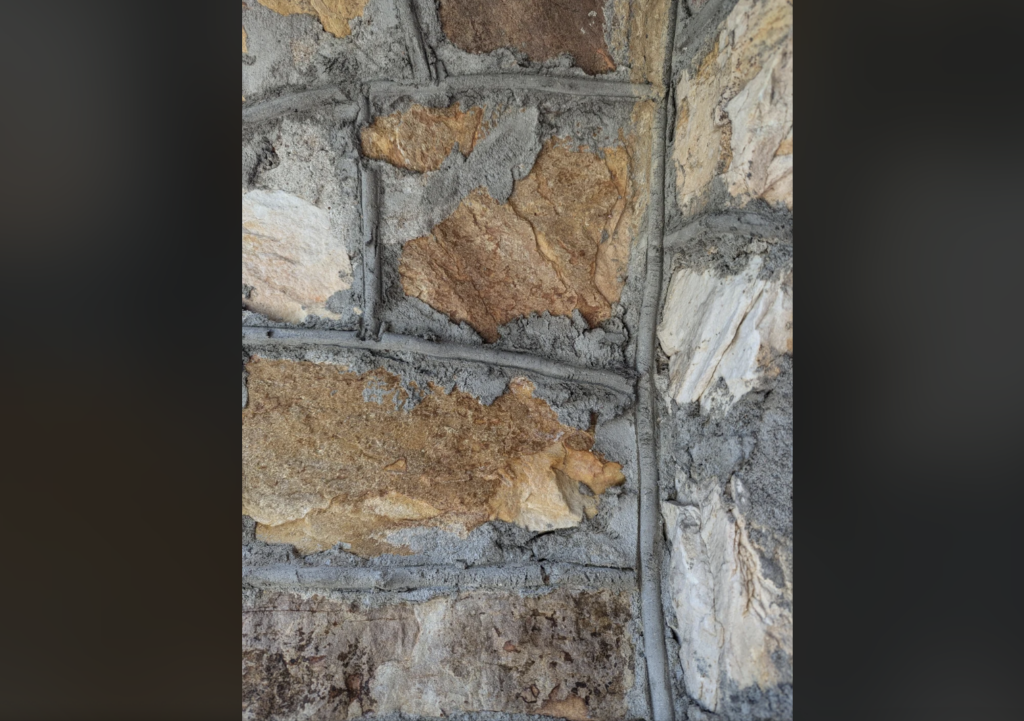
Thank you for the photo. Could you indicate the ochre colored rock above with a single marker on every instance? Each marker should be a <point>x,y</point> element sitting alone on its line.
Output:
<point>734,115</point>
<point>323,465</point>
<point>565,654</point>
<point>561,243</point>
<point>291,259</point>
<point>540,29</point>
<point>421,138</point>
<point>334,15</point>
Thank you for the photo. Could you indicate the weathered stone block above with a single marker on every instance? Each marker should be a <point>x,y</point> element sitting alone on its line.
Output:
<point>734,113</point>
<point>330,456</point>
<point>306,43</point>
<point>566,654</point>
<point>300,222</point>
<point>731,328</point>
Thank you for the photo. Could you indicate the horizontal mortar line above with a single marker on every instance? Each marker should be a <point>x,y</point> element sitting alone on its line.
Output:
<point>304,100</point>
<point>544,83</point>
<point>394,342</point>
<point>402,578</point>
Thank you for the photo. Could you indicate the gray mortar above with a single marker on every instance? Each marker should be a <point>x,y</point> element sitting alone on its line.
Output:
<point>724,242</point>
<point>293,52</point>
<point>607,540</point>
<point>276,156</point>
<point>414,203</point>
<point>508,61</point>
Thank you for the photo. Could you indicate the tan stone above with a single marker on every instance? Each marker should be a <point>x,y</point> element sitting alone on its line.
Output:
<point>322,465</point>
<point>561,243</point>
<point>540,29</point>
<point>334,15</point>
<point>565,654</point>
<point>243,42</point>
<point>648,26</point>
<point>734,114</point>
<point>421,138</point>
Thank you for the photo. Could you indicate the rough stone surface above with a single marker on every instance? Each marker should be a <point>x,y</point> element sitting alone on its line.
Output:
<point>564,654</point>
<point>290,259</point>
<point>301,232</point>
<point>421,138</point>
<point>561,243</point>
<point>728,478</point>
<point>731,328</point>
<point>540,29</point>
<point>734,113</point>
<point>334,15</point>
<point>336,457</point>
<point>302,44</point>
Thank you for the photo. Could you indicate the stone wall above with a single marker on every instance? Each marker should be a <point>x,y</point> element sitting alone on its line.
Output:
<point>517,359</point>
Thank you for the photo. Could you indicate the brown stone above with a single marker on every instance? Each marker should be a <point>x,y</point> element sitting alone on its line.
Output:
<point>561,243</point>
<point>318,658</point>
<point>322,465</point>
<point>540,29</point>
<point>334,15</point>
<point>734,115</point>
<point>421,138</point>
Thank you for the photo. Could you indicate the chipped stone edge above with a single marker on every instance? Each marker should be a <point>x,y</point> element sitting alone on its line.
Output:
<point>651,541</point>
<point>254,336</point>
<point>283,576</point>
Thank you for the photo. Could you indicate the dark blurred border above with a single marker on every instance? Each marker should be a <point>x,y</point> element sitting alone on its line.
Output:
<point>120,360</point>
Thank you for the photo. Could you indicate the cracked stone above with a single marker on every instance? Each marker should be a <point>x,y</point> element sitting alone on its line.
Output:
<point>421,138</point>
<point>334,15</point>
<point>330,457</point>
<point>562,654</point>
<point>734,114</point>
<point>730,328</point>
<point>291,260</point>
<point>561,243</point>
<point>540,29</point>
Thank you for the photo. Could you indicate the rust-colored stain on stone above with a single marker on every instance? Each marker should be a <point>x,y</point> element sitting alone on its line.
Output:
<point>330,456</point>
<point>421,138</point>
<point>319,658</point>
<point>541,29</point>
<point>334,15</point>
<point>561,243</point>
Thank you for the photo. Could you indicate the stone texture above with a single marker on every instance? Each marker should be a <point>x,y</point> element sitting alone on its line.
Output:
<point>334,15</point>
<point>564,654</point>
<point>648,28</point>
<point>291,260</point>
<point>731,328</point>
<point>734,113</point>
<point>735,625</point>
<point>540,29</point>
<point>561,243</point>
<point>330,456</point>
<point>421,138</point>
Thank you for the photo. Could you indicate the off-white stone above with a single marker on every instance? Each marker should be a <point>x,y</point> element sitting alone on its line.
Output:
<point>730,327</point>
<point>290,257</point>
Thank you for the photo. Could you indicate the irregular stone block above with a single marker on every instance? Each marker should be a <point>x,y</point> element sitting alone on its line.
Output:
<point>561,243</point>
<point>734,113</point>
<point>421,138</point>
<point>735,626</point>
<point>334,15</point>
<point>540,29</point>
<point>729,328</point>
<point>330,456</point>
<point>564,654</point>
<point>290,259</point>
<point>302,44</point>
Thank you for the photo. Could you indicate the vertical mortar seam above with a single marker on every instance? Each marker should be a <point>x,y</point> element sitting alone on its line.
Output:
<point>414,44</point>
<point>650,541</point>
